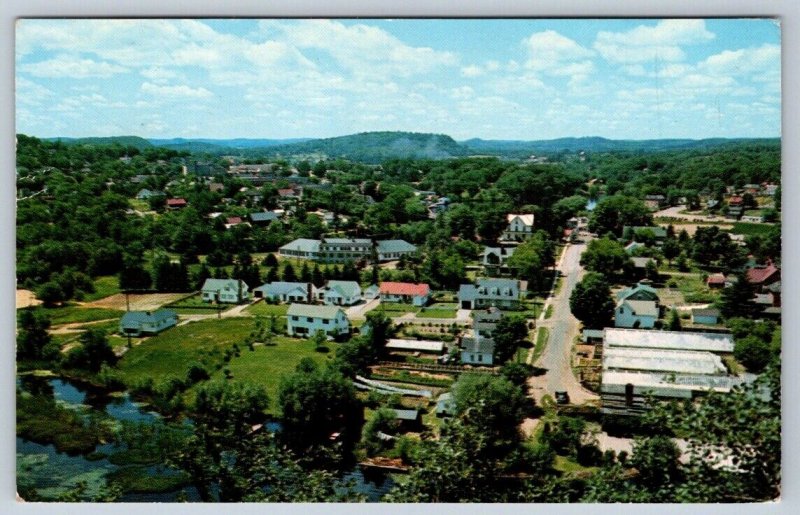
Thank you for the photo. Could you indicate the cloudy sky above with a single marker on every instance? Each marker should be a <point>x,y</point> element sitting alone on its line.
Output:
<point>493,79</point>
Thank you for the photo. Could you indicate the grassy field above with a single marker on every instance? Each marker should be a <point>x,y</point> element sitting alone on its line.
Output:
<point>542,335</point>
<point>262,308</point>
<point>549,311</point>
<point>750,229</point>
<point>396,308</point>
<point>76,314</point>
<point>170,353</point>
<point>266,365</point>
<point>692,288</point>
<point>438,310</point>
<point>104,286</point>
<point>195,305</point>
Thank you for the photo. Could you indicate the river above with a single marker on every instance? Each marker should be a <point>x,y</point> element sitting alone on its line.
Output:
<point>51,472</point>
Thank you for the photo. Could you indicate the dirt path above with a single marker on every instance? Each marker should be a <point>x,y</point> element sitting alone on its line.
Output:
<point>77,327</point>
<point>26,298</point>
<point>138,301</point>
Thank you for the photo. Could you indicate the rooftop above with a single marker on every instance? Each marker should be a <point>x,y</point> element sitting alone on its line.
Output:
<point>668,340</point>
<point>415,345</point>
<point>309,310</point>
<point>392,288</point>
<point>659,360</point>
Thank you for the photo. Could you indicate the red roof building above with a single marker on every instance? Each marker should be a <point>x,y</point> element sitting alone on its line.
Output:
<point>234,220</point>
<point>763,275</point>
<point>405,289</point>
<point>716,281</point>
<point>286,192</point>
<point>735,201</point>
<point>415,294</point>
<point>176,202</point>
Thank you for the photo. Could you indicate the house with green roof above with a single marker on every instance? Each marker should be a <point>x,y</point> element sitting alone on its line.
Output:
<point>304,320</point>
<point>340,293</point>
<point>229,291</point>
<point>140,323</point>
<point>637,307</point>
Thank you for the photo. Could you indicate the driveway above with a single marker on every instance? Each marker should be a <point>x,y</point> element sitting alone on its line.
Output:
<point>564,327</point>
<point>359,311</point>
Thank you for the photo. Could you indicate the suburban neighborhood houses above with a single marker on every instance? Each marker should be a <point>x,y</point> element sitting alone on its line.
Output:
<point>561,282</point>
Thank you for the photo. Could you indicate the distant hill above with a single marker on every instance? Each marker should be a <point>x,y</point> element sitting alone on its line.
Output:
<point>126,141</point>
<point>374,147</point>
<point>220,145</point>
<point>512,148</point>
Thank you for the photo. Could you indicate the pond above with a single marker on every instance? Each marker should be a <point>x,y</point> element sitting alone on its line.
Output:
<point>51,472</point>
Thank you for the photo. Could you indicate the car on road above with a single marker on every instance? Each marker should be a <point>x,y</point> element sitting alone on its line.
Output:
<point>562,397</point>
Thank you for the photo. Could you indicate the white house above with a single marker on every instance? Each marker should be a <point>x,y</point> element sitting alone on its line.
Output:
<point>520,227</point>
<point>709,316</point>
<point>476,349</point>
<point>305,320</point>
<point>228,291</point>
<point>286,292</point>
<point>372,292</point>
<point>500,293</point>
<point>415,294</point>
<point>637,307</point>
<point>138,323</point>
<point>340,293</point>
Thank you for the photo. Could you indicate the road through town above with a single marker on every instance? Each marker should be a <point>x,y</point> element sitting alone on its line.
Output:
<point>564,327</point>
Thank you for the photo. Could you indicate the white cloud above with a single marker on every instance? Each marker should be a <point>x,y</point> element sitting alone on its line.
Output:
<point>65,66</point>
<point>361,49</point>
<point>472,71</point>
<point>158,74</point>
<point>31,93</point>
<point>549,49</point>
<point>646,43</point>
<point>747,61</point>
<point>178,91</point>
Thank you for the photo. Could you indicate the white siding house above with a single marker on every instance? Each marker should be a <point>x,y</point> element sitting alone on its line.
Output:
<point>138,323</point>
<point>520,227</point>
<point>286,292</point>
<point>306,320</point>
<point>340,293</point>
<point>228,291</point>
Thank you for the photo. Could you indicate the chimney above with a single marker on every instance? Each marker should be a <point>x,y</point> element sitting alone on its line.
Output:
<point>308,290</point>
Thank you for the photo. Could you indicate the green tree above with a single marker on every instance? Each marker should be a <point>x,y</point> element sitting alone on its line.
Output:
<point>755,353</point>
<point>508,334</point>
<point>382,421</point>
<point>615,212</point>
<point>34,341</point>
<point>591,301</point>
<point>531,258</point>
<point>604,255</point>
<point>674,323</point>
<point>494,407</point>
<point>93,353</point>
<point>736,300</point>
<point>315,403</point>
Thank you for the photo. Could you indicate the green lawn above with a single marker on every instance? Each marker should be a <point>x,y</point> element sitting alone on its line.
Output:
<point>542,335</point>
<point>262,308</point>
<point>170,353</point>
<point>104,286</point>
<point>549,311</point>
<point>266,365</point>
<point>195,305</point>
<point>72,314</point>
<point>693,288</point>
<point>437,313</point>
<point>396,307</point>
<point>750,229</point>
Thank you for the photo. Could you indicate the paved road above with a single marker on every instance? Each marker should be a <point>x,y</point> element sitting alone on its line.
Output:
<point>564,327</point>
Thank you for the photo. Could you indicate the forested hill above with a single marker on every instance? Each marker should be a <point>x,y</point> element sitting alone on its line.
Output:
<point>221,146</point>
<point>125,141</point>
<point>522,149</point>
<point>375,147</point>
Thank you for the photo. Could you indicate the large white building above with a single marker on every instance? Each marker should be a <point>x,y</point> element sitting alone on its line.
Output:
<point>343,250</point>
<point>520,227</point>
<point>638,365</point>
<point>305,320</point>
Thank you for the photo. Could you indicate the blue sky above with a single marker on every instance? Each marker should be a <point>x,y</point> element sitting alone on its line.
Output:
<point>493,79</point>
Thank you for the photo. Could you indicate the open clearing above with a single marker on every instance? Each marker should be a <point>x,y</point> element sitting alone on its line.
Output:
<point>138,301</point>
<point>26,299</point>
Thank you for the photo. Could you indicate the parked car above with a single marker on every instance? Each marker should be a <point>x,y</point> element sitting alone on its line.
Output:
<point>562,397</point>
